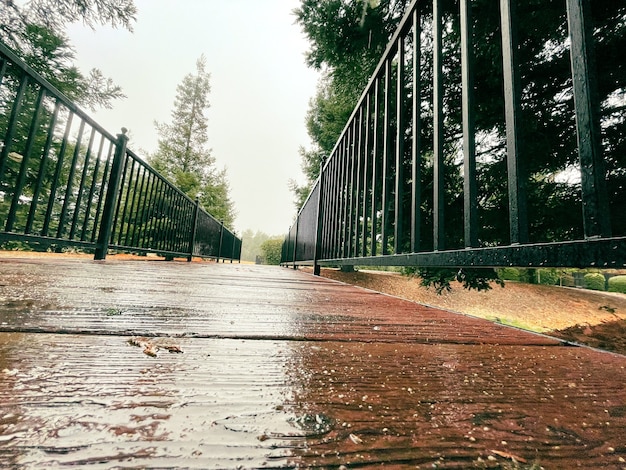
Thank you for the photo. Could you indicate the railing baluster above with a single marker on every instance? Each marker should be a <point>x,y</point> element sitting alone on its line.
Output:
<point>359,189</point>
<point>19,187</point>
<point>375,166</point>
<point>171,226</point>
<point>3,69</point>
<point>141,202</point>
<point>70,182</point>
<point>416,150</point>
<point>12,125</point>
<point>439,235</point>
<point>92,190</point>
<point>319,217</point>
<point>386,159</point>
<point>160,223</point>
<point>194,226</point>
<point>81,186</point>
<point>366,171</point>
<point>518,220</point>
<point>469,146</point>
<point>336,197</point>
<point>345,188</point>
<point>351,186</point>
<point>147,215</point>
<point>45,157</point>
<point>327,213</point>
<point>103,184</point>
<point>133,182</point>
<point>595,199</point>
<point>57,175</point>
<point>399,187</point>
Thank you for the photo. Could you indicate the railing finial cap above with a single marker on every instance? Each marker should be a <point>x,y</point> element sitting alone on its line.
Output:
<point>124,130</point>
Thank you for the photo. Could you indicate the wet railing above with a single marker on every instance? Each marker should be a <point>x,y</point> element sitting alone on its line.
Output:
<point>441,164</point>
<point>65,181</point>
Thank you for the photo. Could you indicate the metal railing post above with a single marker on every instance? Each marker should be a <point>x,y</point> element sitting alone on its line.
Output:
<point>113,187</point>
<point>194,226</point>
<point>295,243</point>
<point>232,251</point>
<point>219,250</point>
<point>596,212</point>
<point>318,231</point>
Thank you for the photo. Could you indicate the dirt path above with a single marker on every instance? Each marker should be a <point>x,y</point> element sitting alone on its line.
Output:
<point>597,319</point>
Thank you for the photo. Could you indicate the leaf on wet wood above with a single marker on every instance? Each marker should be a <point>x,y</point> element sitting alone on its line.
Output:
<point>509,456</point>
<point>150,348</point>
<point>171,348</point>
<point>150,351</point>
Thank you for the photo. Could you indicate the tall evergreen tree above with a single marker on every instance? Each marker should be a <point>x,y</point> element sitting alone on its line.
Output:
<point>182,154</point>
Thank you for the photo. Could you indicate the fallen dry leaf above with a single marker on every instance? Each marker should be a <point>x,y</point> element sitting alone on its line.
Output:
<point>151,348</point>
<point>506,455</point>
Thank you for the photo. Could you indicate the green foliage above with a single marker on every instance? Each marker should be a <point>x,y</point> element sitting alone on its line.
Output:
<point>548,276</point>
<point>35,30</point>
<point>471,278</point>
<point>182,155</point>
<point>617,284</point>
<point>14,245</point>
<point>509,274</point>
<point>410,271</point>
<point>272,250</point>
<point>595,281</point>
<point>251,244</point>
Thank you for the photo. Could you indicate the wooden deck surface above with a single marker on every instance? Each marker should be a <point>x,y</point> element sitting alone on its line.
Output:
<point>281,369</point>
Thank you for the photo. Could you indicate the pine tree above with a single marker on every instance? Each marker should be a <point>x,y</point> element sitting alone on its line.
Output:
<point>182,155</point>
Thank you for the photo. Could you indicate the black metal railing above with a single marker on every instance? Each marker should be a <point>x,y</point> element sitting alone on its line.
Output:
<point>65,181</point>
<point>436,165</point>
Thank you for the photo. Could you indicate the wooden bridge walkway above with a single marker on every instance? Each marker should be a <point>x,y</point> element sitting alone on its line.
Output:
<point>281,369</point>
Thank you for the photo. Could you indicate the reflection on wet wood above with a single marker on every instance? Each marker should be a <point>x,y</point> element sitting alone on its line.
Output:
<point>281,369</point>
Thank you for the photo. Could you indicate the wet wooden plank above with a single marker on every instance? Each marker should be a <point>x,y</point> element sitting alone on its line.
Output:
<point>281,369</point>
<point>234,301</point>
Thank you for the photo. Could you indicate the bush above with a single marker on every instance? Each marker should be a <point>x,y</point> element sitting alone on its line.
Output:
<point>272,250</point>
<point>509,274</point>
<point>13,245</point>
<point>409,271</point>
<point>567,280</point>
<point>545,276</point>
<point>595,281</point>
<point>617,284</point>
<point>548,277</point>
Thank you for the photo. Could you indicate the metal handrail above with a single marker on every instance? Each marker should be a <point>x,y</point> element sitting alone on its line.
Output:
<point>66,181</point>
<point>368,198</point>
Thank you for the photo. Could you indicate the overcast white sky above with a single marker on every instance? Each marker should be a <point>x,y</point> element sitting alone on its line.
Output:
<point>260,90</point>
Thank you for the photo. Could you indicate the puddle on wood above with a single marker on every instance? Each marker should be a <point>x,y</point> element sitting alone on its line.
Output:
<point>78,400</point>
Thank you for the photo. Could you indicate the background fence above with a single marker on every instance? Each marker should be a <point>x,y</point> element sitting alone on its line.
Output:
<point>445,160</point>
<point>65,181</point>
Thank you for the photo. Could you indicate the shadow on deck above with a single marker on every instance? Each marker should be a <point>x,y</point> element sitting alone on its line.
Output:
<point>281,369</point>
